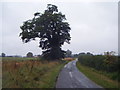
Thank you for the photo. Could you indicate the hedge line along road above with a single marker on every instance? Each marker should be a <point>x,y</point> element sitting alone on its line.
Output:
<point>71,77</point>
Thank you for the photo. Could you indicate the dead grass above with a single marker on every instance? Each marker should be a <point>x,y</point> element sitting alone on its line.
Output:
<point>69,59</point>
<point>30,73</point>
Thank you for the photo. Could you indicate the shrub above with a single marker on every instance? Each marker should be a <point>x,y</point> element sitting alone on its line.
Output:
<point>101,62</point>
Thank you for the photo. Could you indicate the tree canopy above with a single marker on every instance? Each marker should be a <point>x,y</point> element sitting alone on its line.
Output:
<point>51,28</point>
<point>3,54</point>
<point>68,53</point>
<point>29,54</point>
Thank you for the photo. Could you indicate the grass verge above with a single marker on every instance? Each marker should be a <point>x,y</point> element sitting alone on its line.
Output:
<point>98,78</point>
<point>30,74</point>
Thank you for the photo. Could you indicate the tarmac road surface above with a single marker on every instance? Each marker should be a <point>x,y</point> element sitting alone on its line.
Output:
<point>71,77</point>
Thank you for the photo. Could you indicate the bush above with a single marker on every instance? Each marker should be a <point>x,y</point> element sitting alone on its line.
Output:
<point>100,62</point>
<point>106,63</point>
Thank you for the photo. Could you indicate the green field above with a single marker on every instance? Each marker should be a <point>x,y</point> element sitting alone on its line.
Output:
<point>98,77</point>
<point>29,72</point>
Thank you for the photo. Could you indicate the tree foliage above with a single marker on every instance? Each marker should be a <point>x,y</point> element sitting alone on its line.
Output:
<point>108,63</point>
<point>29,54</point>
<point>52,30</point>
<point>3,54</point>
<point>68,53</point>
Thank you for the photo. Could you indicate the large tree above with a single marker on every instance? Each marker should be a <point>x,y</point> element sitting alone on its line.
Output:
<point>52,29</point>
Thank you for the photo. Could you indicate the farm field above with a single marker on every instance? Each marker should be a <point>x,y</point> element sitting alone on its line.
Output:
<point>29,72</point>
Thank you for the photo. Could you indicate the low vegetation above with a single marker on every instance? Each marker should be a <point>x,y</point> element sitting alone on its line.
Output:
<point>98,77</point>
<point>103,69</point>
<point>30,73</point>
<point>105,63</point>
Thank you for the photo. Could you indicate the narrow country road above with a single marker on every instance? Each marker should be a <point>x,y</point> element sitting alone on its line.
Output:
<point>71,77</point>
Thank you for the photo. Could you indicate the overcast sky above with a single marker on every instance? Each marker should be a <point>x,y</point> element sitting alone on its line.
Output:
<point>94,26</point>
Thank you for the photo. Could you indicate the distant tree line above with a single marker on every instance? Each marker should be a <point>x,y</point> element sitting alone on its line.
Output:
<point>82,53</point>
<point>29,54</point>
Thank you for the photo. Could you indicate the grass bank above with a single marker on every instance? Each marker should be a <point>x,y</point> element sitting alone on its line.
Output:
<point>30,73</point>
<point>98,77</point>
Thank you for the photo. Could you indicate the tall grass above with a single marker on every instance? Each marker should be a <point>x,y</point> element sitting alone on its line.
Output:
<point>30,73</point>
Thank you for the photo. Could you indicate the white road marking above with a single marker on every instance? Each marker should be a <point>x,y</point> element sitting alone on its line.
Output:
<point>68,66</point>
<point>65,66</point>
<point>74,64</point>
<point>70,74</point>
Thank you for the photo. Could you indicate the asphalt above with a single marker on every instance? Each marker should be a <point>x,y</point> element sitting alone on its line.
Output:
<point>71,77</point>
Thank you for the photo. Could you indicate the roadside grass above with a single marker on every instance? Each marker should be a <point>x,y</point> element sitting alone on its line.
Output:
<point>98,77</point>
<point>50,77</point>
<point>30,73</point>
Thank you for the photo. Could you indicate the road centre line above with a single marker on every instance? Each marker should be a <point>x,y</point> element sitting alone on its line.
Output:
<point>70,74</point>
<point>65,66</point>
